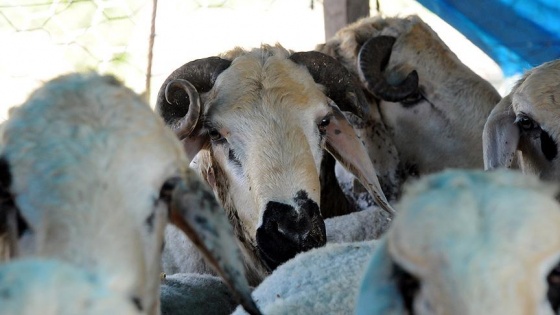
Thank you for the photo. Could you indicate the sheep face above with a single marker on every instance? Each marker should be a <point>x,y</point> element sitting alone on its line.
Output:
<point>270,141</point>
<point>433,105</point>
<point>265,124</point>
<point>473,243</point>
<point>526,121</point>
<point>87,186</point>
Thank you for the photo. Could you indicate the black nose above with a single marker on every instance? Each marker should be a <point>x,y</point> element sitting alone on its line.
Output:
<point>286,231</point>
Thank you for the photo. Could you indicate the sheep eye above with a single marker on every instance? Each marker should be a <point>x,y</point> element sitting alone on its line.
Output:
<point>526,123</point>
<point>323,125</point>
<point>412,100</point>
<point>553,294</point>
<point>167,189</point>
<point>215,135</point>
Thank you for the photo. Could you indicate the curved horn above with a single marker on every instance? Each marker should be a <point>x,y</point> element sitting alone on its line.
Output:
<point>341,86</point>
<point>372,60</point>
<point>187,125</point>
<point>172,103</point>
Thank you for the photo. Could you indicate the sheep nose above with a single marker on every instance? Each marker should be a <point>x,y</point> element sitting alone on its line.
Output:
<point>286,231</point>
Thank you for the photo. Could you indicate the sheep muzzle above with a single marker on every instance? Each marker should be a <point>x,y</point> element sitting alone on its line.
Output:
<point>287,230</point>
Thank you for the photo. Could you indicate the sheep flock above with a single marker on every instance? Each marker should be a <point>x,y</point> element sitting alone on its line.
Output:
<point>376,174</point>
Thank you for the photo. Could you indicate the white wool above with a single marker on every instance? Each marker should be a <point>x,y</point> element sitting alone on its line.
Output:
<point>180,255</point>
<point>321,281</point>
<point>191,293</point>
<point>31,287</point>
<point>368,224</point>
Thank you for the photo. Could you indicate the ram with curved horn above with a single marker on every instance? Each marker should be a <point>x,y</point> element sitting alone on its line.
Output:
<point>265,118</point>
<point>441,105</point>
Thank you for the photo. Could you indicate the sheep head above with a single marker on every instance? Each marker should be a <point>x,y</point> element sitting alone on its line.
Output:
<point>89,177</point>
<point>264,122</point>
<point>526,121</point>
<point>468,243</point>
<point>442,104</point>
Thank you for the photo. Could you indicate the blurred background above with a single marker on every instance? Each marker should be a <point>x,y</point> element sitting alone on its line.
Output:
<point>46,38</point>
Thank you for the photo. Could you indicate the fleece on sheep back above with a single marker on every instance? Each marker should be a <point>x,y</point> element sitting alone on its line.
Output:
<point>193,294</point>
<point>53,287</point>
<point>321,281</point>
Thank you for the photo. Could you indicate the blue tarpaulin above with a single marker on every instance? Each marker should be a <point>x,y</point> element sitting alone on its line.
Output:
<point>516,34</point>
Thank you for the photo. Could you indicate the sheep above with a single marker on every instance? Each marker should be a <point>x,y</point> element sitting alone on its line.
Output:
<point>443,105</point>
<point>497,251</point>
<point>257,132</point>
<point>464,242</point>
<point>90,176</point>
<point>525,122</point>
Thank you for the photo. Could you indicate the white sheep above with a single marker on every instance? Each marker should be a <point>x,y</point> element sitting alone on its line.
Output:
<point>464,242</point>
<point>523,128</point>
<point>433,106</point>
<point>258,125</point>
<point>469,243</point>
<point>90,175</point>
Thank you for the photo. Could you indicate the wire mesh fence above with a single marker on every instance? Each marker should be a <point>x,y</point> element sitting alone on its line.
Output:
<point>45,38</point>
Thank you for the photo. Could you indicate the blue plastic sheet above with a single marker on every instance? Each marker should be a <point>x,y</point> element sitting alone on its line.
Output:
<point>516,34</point>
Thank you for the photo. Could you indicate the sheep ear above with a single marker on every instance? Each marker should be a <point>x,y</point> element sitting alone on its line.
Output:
<point>8,215</point>
<point>194,144</point>
<point>347,148</point>
<point>500,137</point>
<point>194,209</point>
<point>379,293</point>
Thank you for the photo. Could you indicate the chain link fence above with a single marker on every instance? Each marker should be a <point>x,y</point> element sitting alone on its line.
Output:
<point>43,39</point>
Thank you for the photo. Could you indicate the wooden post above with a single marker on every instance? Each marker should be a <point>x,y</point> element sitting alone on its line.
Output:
<point>339,13</point>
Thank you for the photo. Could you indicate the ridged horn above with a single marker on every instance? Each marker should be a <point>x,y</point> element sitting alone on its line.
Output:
<point>372,60</point>
<point>341,86</point>
<point>178,101</point>
<point>185,126</point>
